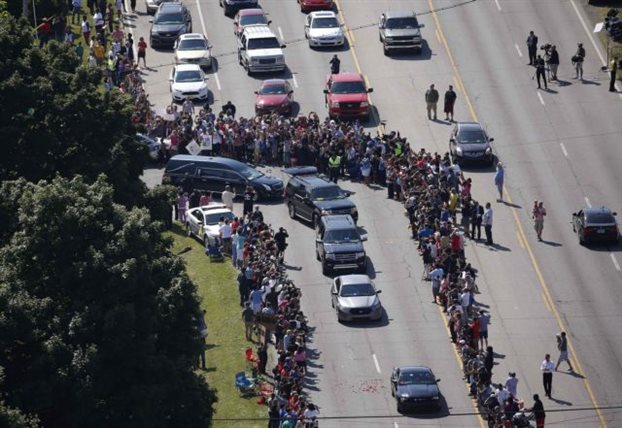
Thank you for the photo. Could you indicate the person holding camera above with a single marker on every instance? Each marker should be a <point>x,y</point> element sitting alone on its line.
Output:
<point>553,62</point>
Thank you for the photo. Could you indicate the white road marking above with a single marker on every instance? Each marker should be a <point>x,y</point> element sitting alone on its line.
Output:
<point>520,54</point>
<point>615,261</point>
<point>587,202</point>
<point>395,425</point>
<point>563,149</point>
<point>201,18</point>
<point>540,97</point>
<point>280,33</point>
<point>588,32</point>
<point>498,5</point>
<point>205,33</point>
<point>294,80</point>
<point>376,363</point>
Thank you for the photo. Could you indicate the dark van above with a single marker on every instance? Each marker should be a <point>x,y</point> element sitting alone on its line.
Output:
<point>213,173</point>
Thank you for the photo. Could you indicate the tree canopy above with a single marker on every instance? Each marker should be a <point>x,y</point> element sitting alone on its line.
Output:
<point>56,120</point>
<point>98,323</point>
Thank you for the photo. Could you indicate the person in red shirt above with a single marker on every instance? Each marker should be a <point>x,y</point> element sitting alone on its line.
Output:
<point>142,51</point>
<point>44,30</point>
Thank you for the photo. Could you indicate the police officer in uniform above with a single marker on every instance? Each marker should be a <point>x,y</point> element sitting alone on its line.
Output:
<point>334,163</point>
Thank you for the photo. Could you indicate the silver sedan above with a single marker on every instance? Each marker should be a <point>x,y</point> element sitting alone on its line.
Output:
<point>355,297</point>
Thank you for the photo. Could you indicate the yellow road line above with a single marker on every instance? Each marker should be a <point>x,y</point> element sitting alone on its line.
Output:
<point>534,263</point>
<point>520,240</point>
<point>546,303</point>
<point>459,360</point>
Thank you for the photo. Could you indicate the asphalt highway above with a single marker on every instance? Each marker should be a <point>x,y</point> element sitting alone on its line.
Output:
<point>560,146</point>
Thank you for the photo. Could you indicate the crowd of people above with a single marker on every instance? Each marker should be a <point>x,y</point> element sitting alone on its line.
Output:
<point>433,192</point>
<point>106,46</point>
<point>271,311</point>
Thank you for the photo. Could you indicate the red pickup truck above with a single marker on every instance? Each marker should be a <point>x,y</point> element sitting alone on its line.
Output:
<point>346,96</point>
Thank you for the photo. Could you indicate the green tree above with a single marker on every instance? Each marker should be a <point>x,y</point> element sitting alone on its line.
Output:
<point>56,120</point>
<point>99,320</point>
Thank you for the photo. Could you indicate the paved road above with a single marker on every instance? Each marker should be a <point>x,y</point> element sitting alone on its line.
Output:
<point>560,146</point>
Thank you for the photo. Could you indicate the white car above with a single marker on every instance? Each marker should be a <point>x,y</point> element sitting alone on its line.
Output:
<point>204,222</point>
<point>324,29</point>
<point>193,48</point>
<point>188,81</point>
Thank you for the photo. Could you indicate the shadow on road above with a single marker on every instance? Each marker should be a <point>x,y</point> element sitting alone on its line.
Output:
<point>409,55</point>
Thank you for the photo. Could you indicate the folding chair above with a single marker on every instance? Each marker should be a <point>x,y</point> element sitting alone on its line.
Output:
<point>244,385</point>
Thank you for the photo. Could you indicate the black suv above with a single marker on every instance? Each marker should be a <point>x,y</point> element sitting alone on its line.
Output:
<point>230,7</point>
<point>339,246</point>
<point>310,196</point>
<point>170,21</point>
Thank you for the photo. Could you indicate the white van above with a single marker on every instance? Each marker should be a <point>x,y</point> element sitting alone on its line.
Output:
<point>259,50</point>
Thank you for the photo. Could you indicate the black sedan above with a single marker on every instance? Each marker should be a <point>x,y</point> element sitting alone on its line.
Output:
<point>595,225</point>
<point>415,387</point>
<point>469,142</point>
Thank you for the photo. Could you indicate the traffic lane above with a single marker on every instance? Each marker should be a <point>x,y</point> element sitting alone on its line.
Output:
<point>416,333</point>
<point>483,181</point>
<point>397,343</point>
<point>485,47</point>
<point>401,80</point>
<point>548,181</point>
<point>537,354</point>
<point>309,66</point>
<point>305,71</point>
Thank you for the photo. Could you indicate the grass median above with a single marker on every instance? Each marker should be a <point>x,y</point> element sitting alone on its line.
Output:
<point>217,287</point>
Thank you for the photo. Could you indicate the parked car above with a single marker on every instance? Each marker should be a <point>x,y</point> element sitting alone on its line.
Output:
<point>339,246</point>
<point>346,95</point>
<point>400,30</point>
<point>310,196</point>
<point>469,142</point>
<point>170,21</point>
<point>230,7</point>
<point>212,173</point>
<point>323,29</point>
<point>309,5</point>
<point>193,48</point>
<point>415,387</point>
<point>204,222</point>
<point>595,225</point>
<point>246,17</point>
<point>274,95</point>
<point>188,81</point>
<point>355,297</point>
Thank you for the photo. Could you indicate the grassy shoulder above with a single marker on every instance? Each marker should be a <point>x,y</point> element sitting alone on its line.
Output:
<point>218,289</point>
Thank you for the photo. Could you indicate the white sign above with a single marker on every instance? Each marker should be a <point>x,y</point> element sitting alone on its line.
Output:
<point>193,148</point>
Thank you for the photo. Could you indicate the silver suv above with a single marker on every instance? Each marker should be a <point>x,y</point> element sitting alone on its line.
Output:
<point>400,30</point>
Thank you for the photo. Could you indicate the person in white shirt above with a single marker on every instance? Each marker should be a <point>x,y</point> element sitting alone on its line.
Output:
<point>511,383</point>
<point>98,19</point>
<point>487,222</point>
<point>225,235</point>
<point>227,197</point>
<point>547,367</point>
<point>502,393</point>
